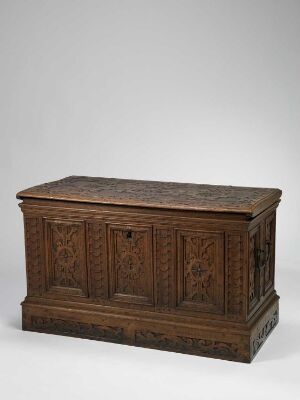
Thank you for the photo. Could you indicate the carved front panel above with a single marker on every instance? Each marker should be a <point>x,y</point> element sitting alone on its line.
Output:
<point>66,265</point>
<point>131,270</point>
<point>201,271</point>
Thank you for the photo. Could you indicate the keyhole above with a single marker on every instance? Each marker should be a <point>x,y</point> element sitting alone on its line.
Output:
<point>129,235</point>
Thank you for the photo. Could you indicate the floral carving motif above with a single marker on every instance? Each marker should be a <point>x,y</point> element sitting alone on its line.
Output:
<point>66,257</point>
<point>186,344</point>
<point>73,328</point>
<point>199,263</point>
<point>34,261</point>
<point>131,263</point>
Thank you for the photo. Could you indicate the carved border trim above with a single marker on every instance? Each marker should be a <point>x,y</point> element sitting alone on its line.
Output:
<point>164,241</point>
<point>235,265</point>
<point>96,255</point>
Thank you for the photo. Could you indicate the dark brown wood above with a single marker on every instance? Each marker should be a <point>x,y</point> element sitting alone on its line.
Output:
<point>179,267</point>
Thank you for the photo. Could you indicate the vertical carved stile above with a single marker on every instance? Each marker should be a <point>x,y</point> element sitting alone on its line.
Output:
<point>270,224</point>
<point>34,255</point>
<point>235,264</point>
<point>96,250</point>
<point>254,273</point>
<point>164,270</point>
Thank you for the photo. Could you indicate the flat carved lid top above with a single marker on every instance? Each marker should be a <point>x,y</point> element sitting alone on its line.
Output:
<point>152,194</point>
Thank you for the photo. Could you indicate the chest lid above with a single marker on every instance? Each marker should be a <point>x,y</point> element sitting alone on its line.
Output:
<point>153,194</point>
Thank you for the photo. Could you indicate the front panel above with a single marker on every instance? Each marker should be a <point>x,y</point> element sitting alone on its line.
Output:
<point>130,259</point>
<point>65,257</point>
<point>200,257</point>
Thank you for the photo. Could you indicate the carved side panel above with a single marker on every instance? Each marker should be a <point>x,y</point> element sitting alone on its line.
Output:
<point>270,226</point>
<point>34,256</point>
<point>164,247</point>
<point>235,268</point>
<point>201,271</point>
<point>66,265</point>
<point>254,273</point>
<point>77,329</point>
<point>131,270</point>
<point>184,344</point>
<point>97,260</point>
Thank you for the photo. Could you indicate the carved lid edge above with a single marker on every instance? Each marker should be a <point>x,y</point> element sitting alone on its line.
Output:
<point>251,211</point>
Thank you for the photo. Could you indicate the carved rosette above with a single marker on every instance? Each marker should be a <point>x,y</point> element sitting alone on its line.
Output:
<point>34,255</point>
<point>235,264</point>
<point>96,252</point>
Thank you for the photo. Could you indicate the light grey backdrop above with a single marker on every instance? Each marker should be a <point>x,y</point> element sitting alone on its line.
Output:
<point>196,91</point>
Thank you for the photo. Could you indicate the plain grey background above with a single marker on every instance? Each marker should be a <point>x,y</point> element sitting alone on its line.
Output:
<point>195,91</point>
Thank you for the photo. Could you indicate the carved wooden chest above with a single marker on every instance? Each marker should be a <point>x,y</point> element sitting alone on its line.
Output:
<point>181,267</point>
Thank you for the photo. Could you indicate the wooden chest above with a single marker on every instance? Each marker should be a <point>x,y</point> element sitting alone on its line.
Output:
<point>180,267</point>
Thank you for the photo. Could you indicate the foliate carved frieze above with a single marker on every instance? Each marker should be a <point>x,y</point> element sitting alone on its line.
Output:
<point>164,242</point>
<point>235,265</point>
<point>73,328</point>
<point>187,344</point>
<point>34,255</point>
<point>97,260</point>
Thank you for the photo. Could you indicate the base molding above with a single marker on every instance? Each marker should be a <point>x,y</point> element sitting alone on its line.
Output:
<point>203,339</point>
